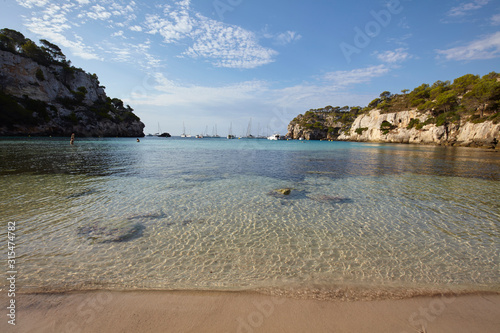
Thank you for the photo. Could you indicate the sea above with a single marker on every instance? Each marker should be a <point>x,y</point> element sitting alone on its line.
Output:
<point>361,221</point>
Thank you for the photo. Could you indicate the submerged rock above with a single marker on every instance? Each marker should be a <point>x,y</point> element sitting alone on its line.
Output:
<point>284,191</point>
<point>101,233</point>
<point>329,198</point>
<point>80,194</point>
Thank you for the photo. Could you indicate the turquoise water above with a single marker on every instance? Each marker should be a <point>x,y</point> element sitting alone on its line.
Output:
<point>366,220</point>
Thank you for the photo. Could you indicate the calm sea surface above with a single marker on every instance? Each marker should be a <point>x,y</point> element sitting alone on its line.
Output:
<point>362,220</point>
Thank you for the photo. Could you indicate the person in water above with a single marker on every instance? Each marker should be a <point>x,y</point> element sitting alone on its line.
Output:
<point>138,140</point>
<point>72,140</point>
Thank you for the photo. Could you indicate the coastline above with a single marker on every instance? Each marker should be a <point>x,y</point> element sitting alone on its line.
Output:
<point>247,311</point>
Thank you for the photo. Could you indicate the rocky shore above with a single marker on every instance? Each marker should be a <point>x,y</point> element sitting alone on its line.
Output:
<point>367,128</point>
<point>396,127</point>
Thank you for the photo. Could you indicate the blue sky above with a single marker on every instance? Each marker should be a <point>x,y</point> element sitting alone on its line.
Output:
<point>217,62</point>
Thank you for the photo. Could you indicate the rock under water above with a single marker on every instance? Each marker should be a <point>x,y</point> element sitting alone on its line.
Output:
<point>103,233</point>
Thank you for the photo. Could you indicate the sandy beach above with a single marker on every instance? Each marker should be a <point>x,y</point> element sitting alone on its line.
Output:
<point>245,312</point>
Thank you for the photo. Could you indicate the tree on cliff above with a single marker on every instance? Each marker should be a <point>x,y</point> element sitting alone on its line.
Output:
<point>13,41</point>
<point>486,91</point>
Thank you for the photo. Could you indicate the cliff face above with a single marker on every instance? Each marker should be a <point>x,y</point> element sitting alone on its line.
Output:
<point>399,129</point>
<point>58,100</point>
<point>368,128</point>
<point>318,125</point>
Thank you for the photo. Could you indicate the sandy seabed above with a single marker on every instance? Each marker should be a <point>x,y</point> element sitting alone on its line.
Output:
<point>189,311</point>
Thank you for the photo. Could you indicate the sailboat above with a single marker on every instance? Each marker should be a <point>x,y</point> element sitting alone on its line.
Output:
<point>230,133</point>
<point>249,130</point>
<point>215,135</point>
<point>184,135</point>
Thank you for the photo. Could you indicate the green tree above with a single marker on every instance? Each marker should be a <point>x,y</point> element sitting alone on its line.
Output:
<point>374,103</point>
<point>31,50</point>
<point>385,95</point>
<point>446,101</point>
<point>11,40</point>
<point>53,50</point>
<point>464,83</point>
<point>486,91</point>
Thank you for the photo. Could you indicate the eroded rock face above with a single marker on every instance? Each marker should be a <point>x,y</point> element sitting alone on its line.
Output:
<point>21,76</point>
<point>366,128</point>
<point>463,134</point>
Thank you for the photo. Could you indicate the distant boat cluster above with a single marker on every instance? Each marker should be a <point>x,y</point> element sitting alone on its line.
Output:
<point>214,134</point>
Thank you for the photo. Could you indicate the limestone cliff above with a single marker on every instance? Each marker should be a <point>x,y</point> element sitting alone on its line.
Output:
<point>52,99</point>
<point>369,127</point>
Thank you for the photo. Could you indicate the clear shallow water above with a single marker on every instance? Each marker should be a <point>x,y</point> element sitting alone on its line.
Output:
<point>362,219</point>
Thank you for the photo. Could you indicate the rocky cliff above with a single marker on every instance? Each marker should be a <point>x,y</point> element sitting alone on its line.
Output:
<point>410,127</point>
<point>56,99</point>
<point>399,127</point>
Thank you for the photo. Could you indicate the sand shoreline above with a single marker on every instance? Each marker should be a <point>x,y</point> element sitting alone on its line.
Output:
<point>246,311</point>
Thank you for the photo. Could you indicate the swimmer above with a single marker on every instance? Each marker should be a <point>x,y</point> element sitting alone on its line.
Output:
<point>138,140</point>
<point>72,139</point>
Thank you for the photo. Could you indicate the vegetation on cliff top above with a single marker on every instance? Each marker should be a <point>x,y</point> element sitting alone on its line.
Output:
<point>469,97</point>
<point>23,110</point>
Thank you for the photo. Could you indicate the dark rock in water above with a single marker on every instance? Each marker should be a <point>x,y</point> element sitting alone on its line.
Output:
<point>101,233</point>
<point>148,216</point>
<point>331,199</point>
<point>280,192</point>
<point>80,194</point>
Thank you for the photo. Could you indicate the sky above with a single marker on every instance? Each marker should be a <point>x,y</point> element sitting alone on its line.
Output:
<point>202,64</point>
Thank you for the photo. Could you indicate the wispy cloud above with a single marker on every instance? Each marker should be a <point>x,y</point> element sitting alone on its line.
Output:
<point>487,47</point>
<point>98,13</point>
<point>392,57</point>
<point>228,46</point>
<point>495,19</point>
<point>360,75</point>
<point>221,44</point>
<point>32,3</point>
<point>229,100</point>
<point>465,8</point>
<point>53,25</point>
<point>203,38</point>
<point>287,37</point>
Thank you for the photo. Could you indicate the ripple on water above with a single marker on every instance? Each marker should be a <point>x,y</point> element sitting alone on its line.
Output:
<point>361,236</point>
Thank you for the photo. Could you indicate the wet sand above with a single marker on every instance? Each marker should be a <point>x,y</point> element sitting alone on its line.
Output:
<point>180,311</point>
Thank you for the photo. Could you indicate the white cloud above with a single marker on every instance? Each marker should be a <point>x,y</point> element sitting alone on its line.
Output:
<point>32,3</point>
<point>495,19</point>
<point>228,46</point>
<point>222,44</point>
<point>487,47</point>
<point>135,28</point>
<point>118,34</point>
<point>133,53</point>
<point>216,42</point>
<point>99,13</point>
<point>398,55</point>
<point>287,37</point>
<point>360,75</point>
<point>464,8</point>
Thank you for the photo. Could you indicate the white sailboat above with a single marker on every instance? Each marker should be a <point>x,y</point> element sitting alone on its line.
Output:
<point>249,130</point>
<point>184,135</point>
<point>230,133</point>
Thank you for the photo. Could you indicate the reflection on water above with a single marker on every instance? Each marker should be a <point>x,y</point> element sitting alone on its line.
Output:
<point>197,214</point>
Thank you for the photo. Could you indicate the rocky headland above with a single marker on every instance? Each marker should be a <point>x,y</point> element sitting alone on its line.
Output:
<point>41,94</point>
<point>465,113</point>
